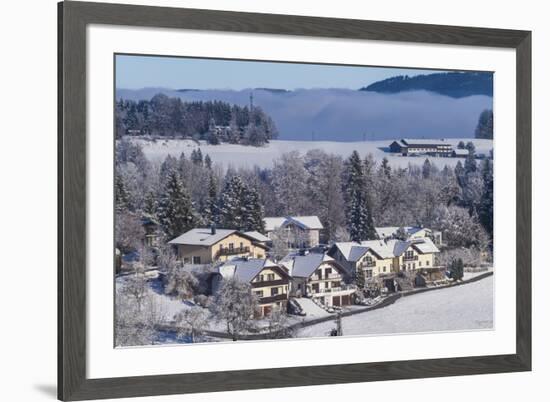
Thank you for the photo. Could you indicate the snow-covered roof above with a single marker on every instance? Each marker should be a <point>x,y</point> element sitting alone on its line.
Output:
<point>424,142</point>
<point>257,236</point>
<point>461,152</point>
<point>353,251</point>
<point>304,266</point>
<point>305,222</point>
<point>425,246</point>
<point>245,270</point>
<point>356,252</point>
<point>202,237</point>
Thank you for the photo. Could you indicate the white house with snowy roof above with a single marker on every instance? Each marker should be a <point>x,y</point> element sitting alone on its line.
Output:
<point>320,277</point>
<point>301,231</point>
<point>269,281</point>
<point>208,245</point>
<point>385,257</point>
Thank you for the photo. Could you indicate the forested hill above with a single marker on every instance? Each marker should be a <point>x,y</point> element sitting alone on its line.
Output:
<point>455,85</point>
<point>213,121</point>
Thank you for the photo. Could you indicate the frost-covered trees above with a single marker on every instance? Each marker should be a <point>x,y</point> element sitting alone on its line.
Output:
<point>175,210</point>
<point>239,206</point>
<point>460,229</point>
<point>358,207</point>
<point>178,280</point>
<point>279,326</point>
<point>170,117</point>
<point>137,312</point>
<point>192,322</point>
<point>235,305</point>
<point>289,183</point>
<point>324,189</point>
<point>129,231</point>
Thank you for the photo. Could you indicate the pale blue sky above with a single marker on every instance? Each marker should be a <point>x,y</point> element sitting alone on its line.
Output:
<point>134,72</point>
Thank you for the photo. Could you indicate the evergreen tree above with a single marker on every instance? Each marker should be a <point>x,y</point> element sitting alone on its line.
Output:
<point>208,162</point>
<point>122,198</point>
<point>460,174</point>
<point>360,278</point>
<point>385,168</point>
<point>231,209</point>
<point>209,212</point>
<point>426,169</point>
<point>457,269</point>
<point>196,157</point>
<point>484,127</point>
<point>150,204</point>
<point>358,214</point>
<point>470,164</point>
<point>253,216</point>
<point>485,211</point>
<point>176,211</point>
<point>461,145</point>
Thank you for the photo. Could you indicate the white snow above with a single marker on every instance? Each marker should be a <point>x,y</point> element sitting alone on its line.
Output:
<point>246,156</point>
<point>311,309</point>
<point>465,307</point>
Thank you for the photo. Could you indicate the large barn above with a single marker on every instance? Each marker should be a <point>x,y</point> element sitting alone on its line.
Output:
<point>421,147</point>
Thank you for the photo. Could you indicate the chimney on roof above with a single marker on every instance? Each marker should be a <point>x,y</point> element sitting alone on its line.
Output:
<point>213,229</point>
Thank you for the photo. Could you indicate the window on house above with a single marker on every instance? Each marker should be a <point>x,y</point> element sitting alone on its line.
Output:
<point>231,247</point>
<point>419,263</point>
<point>328,271</point>
<point>368,273</point>
<point>270,277</point>
<point>259,293</point>
<point>427,263</point>
<point>274,291</point>
<point>319,274</point>
<point>241,245</point>
<point>260,278</point>
<point>335,285</point>
<point>186,260</point>
<point>383,269</point>
<point>196,259</point>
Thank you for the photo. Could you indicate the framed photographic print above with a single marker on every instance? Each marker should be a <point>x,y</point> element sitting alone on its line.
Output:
<point>258,201</point>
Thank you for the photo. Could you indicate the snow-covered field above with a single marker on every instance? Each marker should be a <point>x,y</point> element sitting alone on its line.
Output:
<point>466,307</point>
<point>246,156</point>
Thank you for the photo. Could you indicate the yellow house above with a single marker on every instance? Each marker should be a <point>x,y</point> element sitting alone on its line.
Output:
<point>208,245</point>
<point>269,282</point>
<point>380,257</point>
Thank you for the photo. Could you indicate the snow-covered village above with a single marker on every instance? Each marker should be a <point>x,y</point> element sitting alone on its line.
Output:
<point>228,228</point>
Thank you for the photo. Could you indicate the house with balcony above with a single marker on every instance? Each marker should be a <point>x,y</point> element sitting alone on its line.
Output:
<point>268,280</point>
<point>319,276</point>
<point>382,260</point>
<point>298,231</point>
<point>207,245</point>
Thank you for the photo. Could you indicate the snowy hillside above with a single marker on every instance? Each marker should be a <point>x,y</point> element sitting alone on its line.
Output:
<point>466,307</point>
<point>241,156</point>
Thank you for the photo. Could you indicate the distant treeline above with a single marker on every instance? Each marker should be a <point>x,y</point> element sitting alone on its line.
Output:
<point>213,121</point>
<point>455,84</point>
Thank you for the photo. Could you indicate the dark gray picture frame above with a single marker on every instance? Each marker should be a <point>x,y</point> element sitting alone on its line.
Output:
<point>73,18</point>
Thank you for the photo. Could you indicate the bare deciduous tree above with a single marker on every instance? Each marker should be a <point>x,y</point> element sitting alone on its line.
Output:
<point>192,322</point>
<point>235,304</point>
